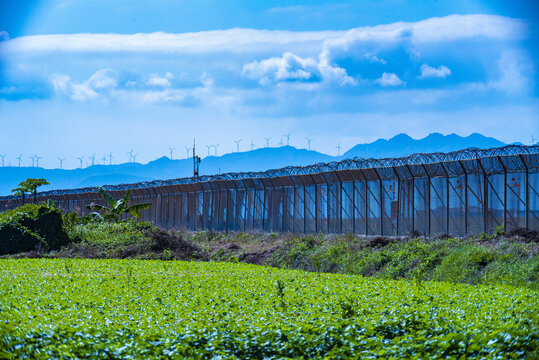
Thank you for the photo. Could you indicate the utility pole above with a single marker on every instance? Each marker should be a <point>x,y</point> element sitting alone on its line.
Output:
<point>267,141</point>
<point>196,163</point>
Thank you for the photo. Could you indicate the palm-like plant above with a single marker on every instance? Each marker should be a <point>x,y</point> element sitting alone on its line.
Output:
<point>116,208</point>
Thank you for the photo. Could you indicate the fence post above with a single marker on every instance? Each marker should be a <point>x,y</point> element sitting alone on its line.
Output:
<point>527,191</point>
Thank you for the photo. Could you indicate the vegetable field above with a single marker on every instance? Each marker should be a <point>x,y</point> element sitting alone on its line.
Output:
<point>116,309</point>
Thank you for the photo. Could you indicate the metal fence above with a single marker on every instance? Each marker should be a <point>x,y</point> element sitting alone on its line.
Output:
<point>459,193</point>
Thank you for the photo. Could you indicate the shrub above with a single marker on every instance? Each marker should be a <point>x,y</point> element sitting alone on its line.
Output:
<point>30,227</point>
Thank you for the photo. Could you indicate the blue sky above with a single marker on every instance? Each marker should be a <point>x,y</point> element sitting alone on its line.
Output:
<point>81,77</point>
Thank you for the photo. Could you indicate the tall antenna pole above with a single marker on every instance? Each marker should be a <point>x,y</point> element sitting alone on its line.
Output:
<point>267,141</point>
<point>196,162</point>
<point>3,156</point>
<point>237,145</point>
<point>171,150</point>
<point>309,142</point>
<point>61,162</point>
<point>287,136</point>
<point>338,147</point>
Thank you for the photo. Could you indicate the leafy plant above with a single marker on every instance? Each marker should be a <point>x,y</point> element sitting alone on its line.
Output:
<point>116,208</point>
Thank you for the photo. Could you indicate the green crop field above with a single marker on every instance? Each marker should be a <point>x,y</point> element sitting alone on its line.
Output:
<point>126,309</point>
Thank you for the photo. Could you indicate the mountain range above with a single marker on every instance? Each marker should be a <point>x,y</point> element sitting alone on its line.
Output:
<point>254,160</point>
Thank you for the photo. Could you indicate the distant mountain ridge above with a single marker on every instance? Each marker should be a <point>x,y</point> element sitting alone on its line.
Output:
<point>402,145</point>
<point>254,160</point>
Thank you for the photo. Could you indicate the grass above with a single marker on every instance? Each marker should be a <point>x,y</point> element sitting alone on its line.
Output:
<point>116,309</point>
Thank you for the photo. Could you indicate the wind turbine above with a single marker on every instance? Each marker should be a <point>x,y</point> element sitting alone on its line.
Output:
<point>281,142</point>
<point>267,141</point>
<point>171,150</point>
<point>135,157</point>
<point>61,162</point>
<point>252,145</point>
<point>130,155</point>
<point>19,158</point>
<point>338,147</point>
<point>533,143</point>
<point>237,145</point>
<point>215,147</point>
<point>80,159</point>
<point>187,150</point>
<point>309,142</point>
<point>209,147</point>
<point>37,160</point>
<point>110,158</point>
<point>287,136</point>
<point>33,160</point>
<point>3,156</point>
<point>92,157</point>
<point>104,158</point>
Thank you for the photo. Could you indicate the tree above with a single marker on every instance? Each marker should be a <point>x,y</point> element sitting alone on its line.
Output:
<point>20,191</point>
<point>31,185</point>
<point>116,208</point>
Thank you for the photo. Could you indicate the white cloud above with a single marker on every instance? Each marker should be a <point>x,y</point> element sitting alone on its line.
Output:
<point>429,72</point>
<point>4,35</point>
<point>285,68</point>
<point>389,79</point>
<point>239,40</point>
<point>161,81</point>
<point>515,73</point>
<point>102,79</point>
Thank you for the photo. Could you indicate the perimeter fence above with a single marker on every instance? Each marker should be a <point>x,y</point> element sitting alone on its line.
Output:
<point>459,193</point>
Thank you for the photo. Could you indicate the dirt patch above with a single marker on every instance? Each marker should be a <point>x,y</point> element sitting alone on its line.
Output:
<point>378,241</point>
<point>163,240</point>
<point>524,235</point>
<point>257,258</point>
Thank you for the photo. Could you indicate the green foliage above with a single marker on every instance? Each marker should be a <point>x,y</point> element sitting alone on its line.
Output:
<point>29,185</point>
<point>110,235</point>
<point>30,227</point>
<point>117,309</point>
<point>116,208</point>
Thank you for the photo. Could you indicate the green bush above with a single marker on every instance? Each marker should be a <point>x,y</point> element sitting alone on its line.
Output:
<point>110,235</point>
<point>30,227</point>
